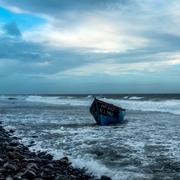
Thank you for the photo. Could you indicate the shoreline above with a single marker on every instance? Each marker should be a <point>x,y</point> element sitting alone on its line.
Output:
<point>18,162</point>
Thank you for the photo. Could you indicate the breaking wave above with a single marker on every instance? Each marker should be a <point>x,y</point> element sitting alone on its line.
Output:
<point>59,100</point>
<point>129,103</point>
<point>135,98</point>
<point>169,106</point>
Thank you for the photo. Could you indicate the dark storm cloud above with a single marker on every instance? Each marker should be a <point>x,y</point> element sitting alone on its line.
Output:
<point>158,43</point>
<point>54,7</point>
<point>26,61</point>
<point>165,41</point>
<point>31,58</point>
<point>18,56</point>
<point>12,29</point>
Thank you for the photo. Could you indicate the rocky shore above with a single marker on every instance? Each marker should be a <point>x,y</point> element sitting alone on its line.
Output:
<point>18,162</point>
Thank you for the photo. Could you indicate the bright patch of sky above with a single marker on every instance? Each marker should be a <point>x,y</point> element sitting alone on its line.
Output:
<point>25,21</point>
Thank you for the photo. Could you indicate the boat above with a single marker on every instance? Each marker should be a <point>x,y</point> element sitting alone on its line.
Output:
<point>105,113</point>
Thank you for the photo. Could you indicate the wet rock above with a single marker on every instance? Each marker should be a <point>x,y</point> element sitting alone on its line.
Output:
<point>2,139</point>
<point>11,130</point>
<point>61,177</point>
<point>51,166</point>
<point>2,177</point>
<point>1,161</point>
<point>64,161</point>
<point>34,136</point>
<point>13,143</point>
<point>10,166</point>
<point>15,155</point>
<point>45,175</point>
<point>2,170</point>
<point>33,154</point>
<point>31,143</point>
<point>30,174</point>
<point>48,156</point>
<point>16,138</point>
<point>18,176</point>
<point>9,148</point>
<point>72,177</point>
<point>34,160</point>
<point>32,165</point>
<point>9,178</point>
<point>18,162</point>
<point>41,154</point>
<point>25,148</point>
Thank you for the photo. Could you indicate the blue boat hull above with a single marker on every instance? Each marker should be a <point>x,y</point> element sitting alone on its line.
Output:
<point>106,114</point>
<point>106,120</point>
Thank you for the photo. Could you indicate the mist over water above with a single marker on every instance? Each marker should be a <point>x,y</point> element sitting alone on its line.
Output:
<point>146,146</point>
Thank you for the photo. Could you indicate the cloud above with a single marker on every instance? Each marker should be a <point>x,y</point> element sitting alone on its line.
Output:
<point>81,24</point>
<point>12,29</point>
<point>100,26</point>
<point>37,60</point>
<point>96,35</point>
<point>110,68</point>
<point>56,7</point>
<point>92,39</point>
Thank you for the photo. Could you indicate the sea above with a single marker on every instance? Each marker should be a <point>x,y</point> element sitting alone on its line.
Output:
<point>146,146</point>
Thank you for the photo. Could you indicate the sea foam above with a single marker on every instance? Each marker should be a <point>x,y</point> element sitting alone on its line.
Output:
<point>132,103</point>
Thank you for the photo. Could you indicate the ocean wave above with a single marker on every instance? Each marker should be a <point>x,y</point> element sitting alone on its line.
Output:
<point>135,98</point>
<point>56,100</point>
<point>12,97</point>
<point>132,103</point>
<point>169,106</point>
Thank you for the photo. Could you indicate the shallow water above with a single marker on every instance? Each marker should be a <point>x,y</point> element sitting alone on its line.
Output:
<point>145,147</point>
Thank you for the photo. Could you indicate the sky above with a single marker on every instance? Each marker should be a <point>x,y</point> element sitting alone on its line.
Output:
<point>89,46</point>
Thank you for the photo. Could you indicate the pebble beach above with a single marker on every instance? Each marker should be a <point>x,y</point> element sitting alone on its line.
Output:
<point>18,162</point>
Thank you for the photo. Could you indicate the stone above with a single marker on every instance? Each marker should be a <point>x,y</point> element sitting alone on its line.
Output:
<point>64,160</point>
<point>31,160</point>
<point>18,176</point>
<point>51,166</point>
<point>1,161</point>
<point>72,177</point>
<point>9,178</point>
<point>4,144</point>
<point>17,162</point>
<point>41,154</point>
<point>9,148</point>
<point>13,143</point>
<point>32,165</point>
<point>2,170</point>
<point>61,177</point>
<point>10,166</point>
<point>44,174</point>
<point>48,156</point>
<point>30,174</point>
<point>15,155</point>
<point>11,131</point>
<point>34,136</point>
